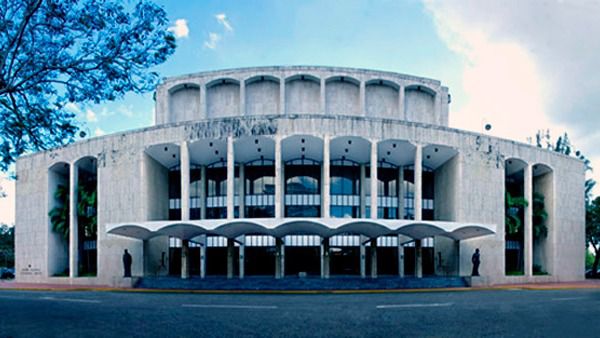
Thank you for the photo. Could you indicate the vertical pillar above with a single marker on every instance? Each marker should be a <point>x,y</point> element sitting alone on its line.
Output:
<point>325,258</point>
<point>401,111</point>
<point>230,178</point>
<point>202,104</point>
<point>457,257</point>
<point>362,97</point>
<point>185,253</point>
<point>203,243</point>
<point>241,256</point>
<point>282,96</point>
<point>278,253</point>
<point>363,192</point>
<point>242,97</point>
<point>230,251</point>
<point>400,257</point>
<point>326,178</point>
<point>279,181</point>
<point>374,181</point>
<point>73,226</point>
<point>374,257</point>
<point>185,180</point>
<point>401,192</point>
<point>418,176</point>
<point>203,192</point>
<point>241,191</point>
<point>323,98</point>
<point>418,259</point>
<point>363,268</point>
<point>282,259</point>
<point>527,230</point>
<point>437,108</point>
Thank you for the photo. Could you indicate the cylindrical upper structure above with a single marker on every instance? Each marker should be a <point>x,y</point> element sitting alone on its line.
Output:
<point>292,90</point>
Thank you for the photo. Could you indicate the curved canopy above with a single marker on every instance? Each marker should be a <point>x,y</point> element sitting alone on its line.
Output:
<point>324,227</point>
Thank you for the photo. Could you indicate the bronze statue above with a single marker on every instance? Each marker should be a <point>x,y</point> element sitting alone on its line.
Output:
<point>475,260</point>
<point>127,263</point>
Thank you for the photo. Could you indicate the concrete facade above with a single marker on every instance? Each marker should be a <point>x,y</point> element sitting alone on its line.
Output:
<point>279,114</point>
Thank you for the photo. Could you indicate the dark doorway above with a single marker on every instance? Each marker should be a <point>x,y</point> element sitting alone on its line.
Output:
<point>387,261</point>
<point>302,259</point>
<point>259,260</point>
<point>344,260</point>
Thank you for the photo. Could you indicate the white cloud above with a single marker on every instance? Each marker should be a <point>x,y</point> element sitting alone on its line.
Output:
<point>73,107</point>
<point>527,65</point>
<point>99,132</point>
<point>180,29</point>
<point>213,39</point>
<point>222,19</point>
<point>126,110</point>
<point>90,115</point>
<point>7,204</point>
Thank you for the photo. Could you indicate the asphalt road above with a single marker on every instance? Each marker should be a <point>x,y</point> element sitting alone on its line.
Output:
<point>565,313</point>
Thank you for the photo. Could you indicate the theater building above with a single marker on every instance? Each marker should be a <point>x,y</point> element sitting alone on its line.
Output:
<point>299,171</point>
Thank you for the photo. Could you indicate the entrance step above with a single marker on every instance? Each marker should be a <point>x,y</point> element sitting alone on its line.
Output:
<point>299,284</point>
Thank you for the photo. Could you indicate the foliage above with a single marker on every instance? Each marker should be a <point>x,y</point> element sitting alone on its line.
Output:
<point>589,259</point>
<point>540,230</point>
<point>59,215</point>
<point>7,246</point>
<point>592,230</point>
<point>86,208</point>
<point>513,206</point>
<point>59,52</point>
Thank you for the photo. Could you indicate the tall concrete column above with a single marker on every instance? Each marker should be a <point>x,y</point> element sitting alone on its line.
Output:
<point>185,180</point>
<point>400,257</point>
<point>242,98</point>
<point>241,191</point>
<point>279,181</point>
<point>418,176</point>
<point>326,179</point>
<point>363,98</point>
<point>323,98</point>
<point>363,265</point>
<point>363,192</point>
<point>278,260</point>
<point>325,258</point>
<point>282,96</point>
<point>374,179</point>
<point>401,192</point>
<point>401,111</point>
<point>185,253</point>
<point>203,243</point>
<point>528,228</point>
<point>242,264</point>
<point>457,257</point>
<point>373,257</point>
<point>202,103</point>
<point>73,225</point>
<point>418,259</point>
<point>282,259</point>
<point>203,192</point>
<point>230,252</point>
<point>230,178</point>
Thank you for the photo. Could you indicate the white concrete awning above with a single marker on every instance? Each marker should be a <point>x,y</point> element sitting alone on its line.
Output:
<point>324,227</point>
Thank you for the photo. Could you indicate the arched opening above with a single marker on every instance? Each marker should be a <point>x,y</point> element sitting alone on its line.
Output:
<point>87,215</point>
<point>419,104</point>
<point>302,157</point>
<point>342,96</point>
<point>256,192</point>
<point>58,219</point>
<point>302,95</point>
<point>262,95</point>
<point>184,102</point>
<point>381,99</point>
<point>542,218</point>
<point>514,215</point>
<point>223,98</point>
<point>162,188</point>
<point>208,179</point>
<point>439,183</point>
<point>350,177</point>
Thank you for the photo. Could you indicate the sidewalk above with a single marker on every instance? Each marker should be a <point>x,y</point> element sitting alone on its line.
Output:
<point>12,285</point>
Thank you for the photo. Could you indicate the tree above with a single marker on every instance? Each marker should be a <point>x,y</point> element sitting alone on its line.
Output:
<point>56,52</point>
<point>7,246</point>
<point>592,230</point>
<point>59,215</point>
<point>513,205</point>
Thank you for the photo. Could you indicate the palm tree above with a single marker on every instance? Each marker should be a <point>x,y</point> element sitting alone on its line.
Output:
<point>59,216</point>
<point>512,206</point>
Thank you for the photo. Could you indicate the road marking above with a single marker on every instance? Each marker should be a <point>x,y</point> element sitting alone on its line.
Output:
<point>401,306</point>
<point>214,306</point>
<point>73,300</point>
<point>566,298</point>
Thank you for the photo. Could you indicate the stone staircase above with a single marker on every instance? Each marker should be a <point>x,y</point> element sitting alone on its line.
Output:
<point>300,284</point>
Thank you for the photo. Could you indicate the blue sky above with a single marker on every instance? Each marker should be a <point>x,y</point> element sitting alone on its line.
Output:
<point>518,65</point>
